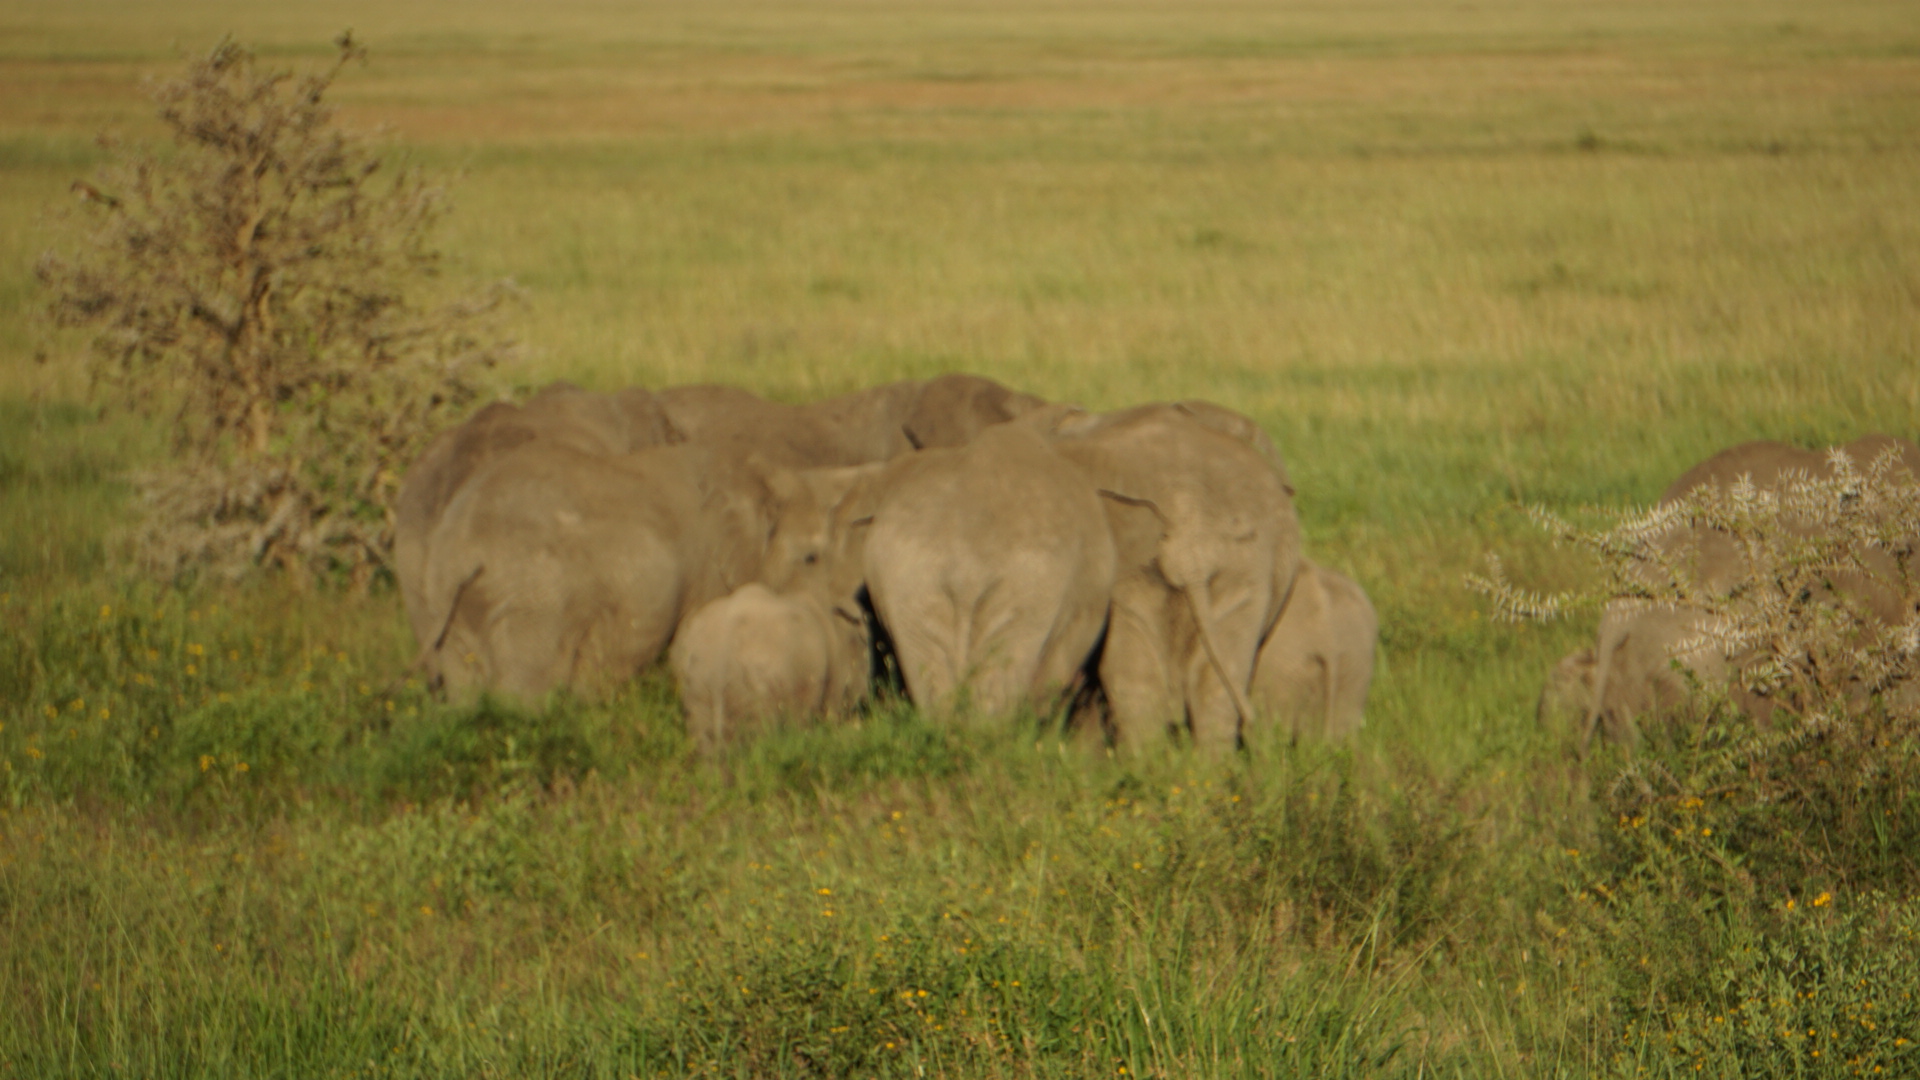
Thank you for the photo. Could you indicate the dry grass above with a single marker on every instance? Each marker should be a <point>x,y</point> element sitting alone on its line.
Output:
<point>1452,256</point>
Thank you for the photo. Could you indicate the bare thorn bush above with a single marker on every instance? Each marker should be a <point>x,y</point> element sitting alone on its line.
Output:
<point>260,284</point>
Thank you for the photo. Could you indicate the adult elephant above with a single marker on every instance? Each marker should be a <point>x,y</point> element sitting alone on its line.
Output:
<point>555,567</point>
<point>872,425</point>
<point>1208,545</point>
<point>1634,675</point>
<point>561,414</point>
<point>989,565</point>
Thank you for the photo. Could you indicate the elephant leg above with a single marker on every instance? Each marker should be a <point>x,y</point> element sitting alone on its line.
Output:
<point>1065,652</point>
<point>1005,659</point>
<point>924,625</point>
<point>1134,667</point>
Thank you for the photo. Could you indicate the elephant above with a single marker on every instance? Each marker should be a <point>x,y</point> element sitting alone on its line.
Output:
<point>951,410</point>
<point>989,565</point>
<point>554,567</point>
<point>868,426</point>
<point>1567,694</point>
<point>754,656</point>
<point>560,414</point>
<point>1314,668</point>
<point>1228,422</point>
<point>1717,561</point>
<point>1209,544</point>
<point>1637,646</point>
<point>741,424</point>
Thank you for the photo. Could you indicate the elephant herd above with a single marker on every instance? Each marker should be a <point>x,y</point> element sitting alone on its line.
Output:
<point>1644,657</point>
<point>1140,569</point>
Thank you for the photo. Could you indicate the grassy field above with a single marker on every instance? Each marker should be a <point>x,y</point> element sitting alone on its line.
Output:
<point>1454,257</point>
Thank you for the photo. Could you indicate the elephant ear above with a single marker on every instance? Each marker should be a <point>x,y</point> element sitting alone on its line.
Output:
<point>856,495</point>
<point>1138,526</point>
<point>832,488</point>
<point>784,484</point>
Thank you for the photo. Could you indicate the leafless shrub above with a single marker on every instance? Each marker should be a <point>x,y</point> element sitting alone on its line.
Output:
<point>257,283</point>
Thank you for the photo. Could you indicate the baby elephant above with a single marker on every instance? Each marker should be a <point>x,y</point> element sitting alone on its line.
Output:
<point>1315,666</point>
<point>755,656</point>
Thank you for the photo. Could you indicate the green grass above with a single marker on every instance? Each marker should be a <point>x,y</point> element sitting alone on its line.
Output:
<point>1451,258</point>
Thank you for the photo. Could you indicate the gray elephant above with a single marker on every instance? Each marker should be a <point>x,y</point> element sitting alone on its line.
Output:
<point>561,414</point>
<point>755,656</point>
<point>989,565</point>
<point>1644,657</point>
<point>1646,662</point>
<point>552,567</point>
<point>868,426</point>
<point>1567,695</point>
<point>1209,544</point>
<point>1315,667</point>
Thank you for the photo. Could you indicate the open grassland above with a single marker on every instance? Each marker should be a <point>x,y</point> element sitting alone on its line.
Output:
<point>1451,256</point>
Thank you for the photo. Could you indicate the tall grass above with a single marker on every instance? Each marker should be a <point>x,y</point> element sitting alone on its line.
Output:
<point>1451,259</point>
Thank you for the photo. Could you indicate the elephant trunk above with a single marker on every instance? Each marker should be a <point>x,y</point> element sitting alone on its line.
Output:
<point>1202,606</point>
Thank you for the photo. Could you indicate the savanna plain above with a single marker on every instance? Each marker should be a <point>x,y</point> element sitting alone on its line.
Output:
<point>1454,257</point>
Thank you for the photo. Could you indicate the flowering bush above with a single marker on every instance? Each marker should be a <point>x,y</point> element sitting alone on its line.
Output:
<point>1804,765</point>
